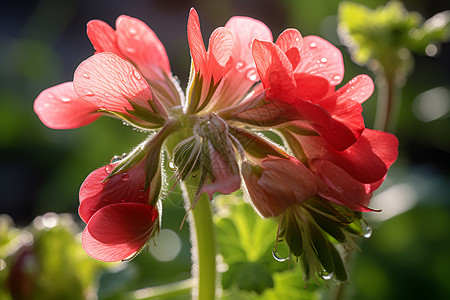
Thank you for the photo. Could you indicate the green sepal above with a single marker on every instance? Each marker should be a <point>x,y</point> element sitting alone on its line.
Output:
<point>330,210</point>
<point>256,145</point>
<point>195,92</point>
<point>293,236</point>
<point>339,269</point>
<point>211,90</point>
<point>129,161</point>
<point>144,114</point>
<point>331,227</point>
<point>321,247</point>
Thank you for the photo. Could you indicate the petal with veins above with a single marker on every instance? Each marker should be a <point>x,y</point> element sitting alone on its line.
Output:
<point>59,107</point>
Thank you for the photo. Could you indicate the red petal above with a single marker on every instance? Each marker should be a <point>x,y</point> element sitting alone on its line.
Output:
<point>103,37</point>
<point>275,70</point>
<point>312,88</point>
<point>118,231</point>
<point>106,80</point>
<point>291,41</point>
<point>370,157</point>
<point>196,44</point>
<point>141,45</point>
<point>338,186</point>
<point>59,107</point>
<point>319,57</point>
<point>95,193</point>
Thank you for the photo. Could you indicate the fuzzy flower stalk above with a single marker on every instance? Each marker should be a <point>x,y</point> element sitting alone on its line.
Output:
<point>243,83</point>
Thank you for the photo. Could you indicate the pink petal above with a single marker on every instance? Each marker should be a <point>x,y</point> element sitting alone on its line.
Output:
<point>291,41</point>
<point>276,188</point>
<point>141,45</point>
<point>196,44</point>
<point>95,193</point>
<point>59,107</point>
<point>358,89</point>
<point>319,57</point>
<point>244,31</point>
<point>227,179</point>
<point>339,187</point>
<point>106,80</point>
<point>275,70</point>
<point>219,50</point>
<point>118,231</point>
<point>103,37</point>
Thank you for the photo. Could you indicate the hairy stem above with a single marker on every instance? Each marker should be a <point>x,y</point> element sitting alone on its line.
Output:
<point>203,242</point>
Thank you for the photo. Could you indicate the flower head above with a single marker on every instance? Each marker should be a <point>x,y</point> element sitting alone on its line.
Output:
<point>243,83</point>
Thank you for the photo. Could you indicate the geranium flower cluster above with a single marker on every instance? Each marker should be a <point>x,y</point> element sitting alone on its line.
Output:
<point>244,83</point>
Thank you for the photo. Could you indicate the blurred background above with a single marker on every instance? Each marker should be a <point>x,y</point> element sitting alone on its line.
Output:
<point>41,170</point>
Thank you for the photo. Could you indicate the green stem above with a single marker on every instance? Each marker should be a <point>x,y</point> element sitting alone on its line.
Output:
<point>388,96</point>
<point>203,242</point>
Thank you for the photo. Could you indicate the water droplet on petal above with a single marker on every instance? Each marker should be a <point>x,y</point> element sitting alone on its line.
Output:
<point>89,93</point>
<point>239,65</point>
<point>132,30</point>
<point>109,169</point>
<point>125,176</point>
<point>297,39</point>
<point>65,100</point>
<point>115,158</point>
<point>50,96</point>
<point>86,76</point>
<point>141,194</point>
<point>130,50</point>
<point>323,59</point>
<point>172,166</point>
<point>278,257</point>
<point>313,45</point>
<point>251,75</point>
<point>137,75</point>
<point>337,77</point>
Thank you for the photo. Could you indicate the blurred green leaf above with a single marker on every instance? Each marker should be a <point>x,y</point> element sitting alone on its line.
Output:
<point>385,36</point>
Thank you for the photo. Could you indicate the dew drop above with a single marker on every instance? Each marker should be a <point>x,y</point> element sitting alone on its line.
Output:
<point>172,166</point>
<point>123,201</point>
<point>337,77</point>
<point>327,276</point>
<point>50,96</point>
<point>108,169</point>
<point>65,100</point>
<point>278,257</point>
<point>89,93</point>
<point>125,176</point>
<point>137,75</point>
<point>132,31</point>
<point>141,194</point>
<point>297,39</point>
<point>367,231</point>
<point>323,59</point>
<point>239,65</point>
<point>115,158</point>
<point>313,45</point>
<point>130,50</point>
<point>86,76</point>
<point>251,75</point>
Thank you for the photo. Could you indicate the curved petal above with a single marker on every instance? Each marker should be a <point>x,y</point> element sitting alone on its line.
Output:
<point>275,70</point>
<point>59,107</point>
<point>339,187</point>
<point>358,89</point>
<point>245,30</point>
<point>118,231</point>
<point>219,52</point>
<point>320,57</point>
<point>141,45</point>
<point>96,193</point>
<point>291,42</point>
<point>103,37</point>
<point>108,81</point>
<point>195,39</point>
<point>369,159</point>
<point>273,188</point>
